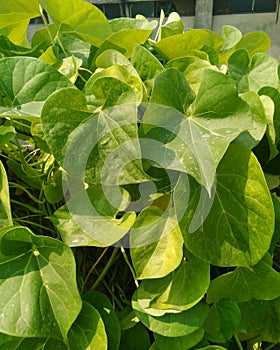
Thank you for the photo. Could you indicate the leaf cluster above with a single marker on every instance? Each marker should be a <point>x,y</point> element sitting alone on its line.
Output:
<point>139,183</point>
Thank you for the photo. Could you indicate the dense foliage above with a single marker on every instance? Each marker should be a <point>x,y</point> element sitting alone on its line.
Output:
<point>139,177</point>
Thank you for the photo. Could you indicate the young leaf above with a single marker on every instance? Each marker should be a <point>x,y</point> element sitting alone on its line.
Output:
<point>187,43</point>
<point>5,209</point>
<point>260,282</point>
<point>14,19</point>
<point>240,224</point>
<point>78,18</point>
<point>39,295</point>
<point>156,244</point>
<point>25,85</point>
<point>6,134</point>
<point>222,321</point>
<point>231,36</point>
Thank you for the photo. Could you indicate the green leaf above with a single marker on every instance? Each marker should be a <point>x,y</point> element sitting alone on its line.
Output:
<point>88,331</point>
<point>254,42</point>
<point>112,86</point>
<point>178,291</point>
<point>240,223</point>
<point>214,120</point>
<point>109,152</point>
<point>261,72</point>
<point>112,326</point>
<point>269,94</point>
<point>222,321</point>
<point>135,338</point>
<point>7,132</point>
<point>7,48</point>
<point>146,64</point>
<point>260,282</point>
<point>172,324</point>
<point>25,85</point>
<point>174,25</point>
<point>171,89</point>
<point>89,219</point>
<point>156,244</point>
<point>70,68</point>
<point>14,19</point>
<point>78,18</point>
<point>39,295</point>
<point>179,343</point>
<point>15,343</point>
<point>261,319</point>
<point>53,190</point>
<point>187,43</point>
<point>112,57</point>
<point>5,209</point>
<point>231,36</point>
<point>254,135</point>
<point>127,32</point>
<point>192,68</point>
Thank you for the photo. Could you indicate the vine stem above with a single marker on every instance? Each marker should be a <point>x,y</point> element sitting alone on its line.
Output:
<point>130,267</point>
<point>46,24</point>
<point>238,343</point>
<point>106,268</point>
<point>95,264</point>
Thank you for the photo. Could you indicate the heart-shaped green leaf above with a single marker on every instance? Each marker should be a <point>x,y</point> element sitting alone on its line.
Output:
<point>240,223</point>
<point>26,83</point>
<point>39,295</point>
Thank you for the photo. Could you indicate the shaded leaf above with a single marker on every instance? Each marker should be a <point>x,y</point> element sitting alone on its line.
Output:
<point>112,326</point>
<point>260,282</point>
<point>88,331</point>
<point>240,224</point>
<point>179,343</point>
<point>222,321</point>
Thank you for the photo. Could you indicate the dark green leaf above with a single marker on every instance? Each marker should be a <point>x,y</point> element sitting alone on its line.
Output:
<point>179,343</point>
<point>112,326</point>
<point>222,321</point>
<point>261,282</point>
<point>240,224</point>
<point>88,331</point>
